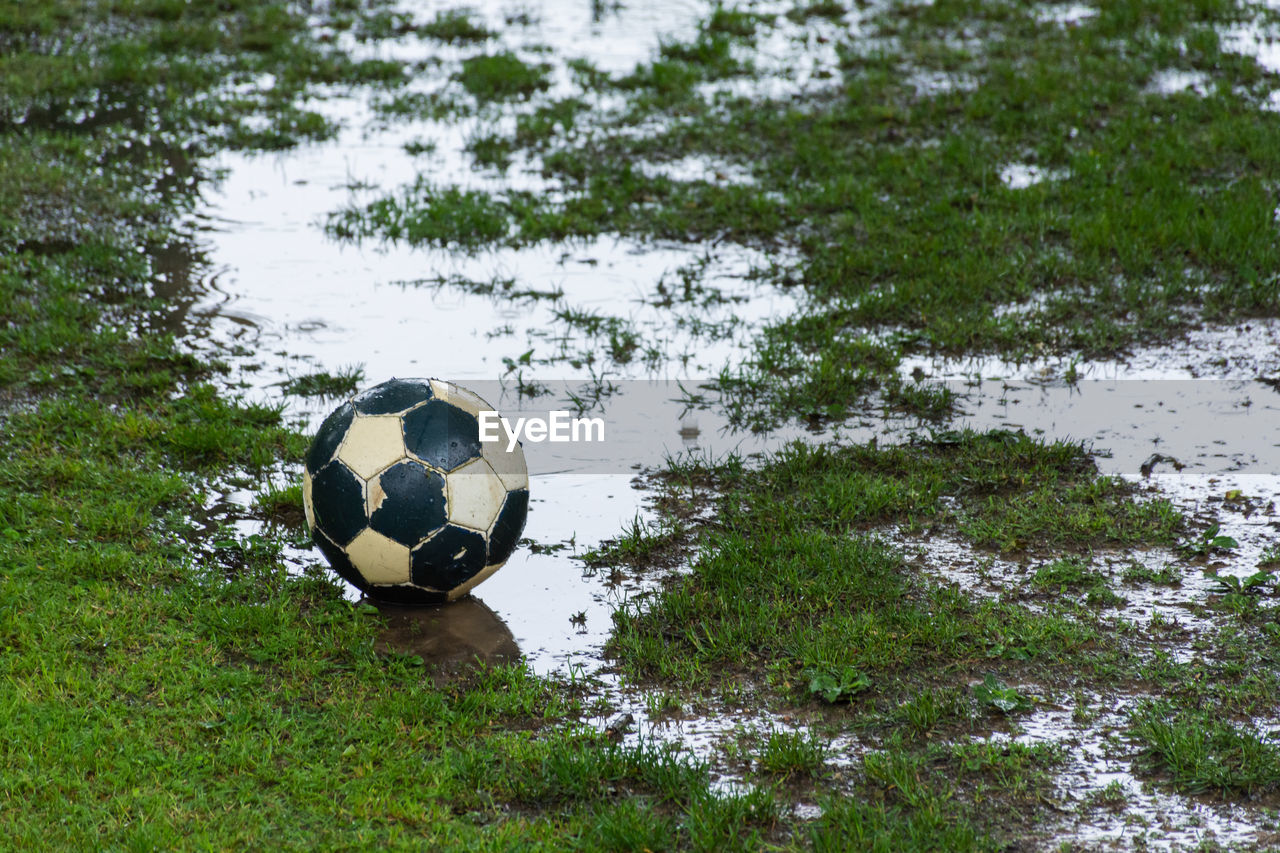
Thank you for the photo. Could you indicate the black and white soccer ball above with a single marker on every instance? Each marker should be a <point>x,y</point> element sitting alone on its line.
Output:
<point>403,498</point>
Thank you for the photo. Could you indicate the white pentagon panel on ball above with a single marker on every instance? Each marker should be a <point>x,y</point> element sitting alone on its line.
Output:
<point>372,443</point>
<point>475,495</point>
<point>306,500</point>
<point>509,465</point>
<point>468,401</point>
<point>379,559</point>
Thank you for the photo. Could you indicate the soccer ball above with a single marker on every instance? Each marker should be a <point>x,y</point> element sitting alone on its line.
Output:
<point>403,498</point>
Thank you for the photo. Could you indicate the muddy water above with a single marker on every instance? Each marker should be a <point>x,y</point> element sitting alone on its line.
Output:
<point>264,287</point>
<point>1103,804</point>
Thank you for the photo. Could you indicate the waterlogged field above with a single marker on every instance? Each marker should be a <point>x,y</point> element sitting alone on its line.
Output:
<point>944,338</point>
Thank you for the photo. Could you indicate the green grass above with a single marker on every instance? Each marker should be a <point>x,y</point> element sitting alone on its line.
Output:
<point>790,579</point>
<point>639,545</point>
<point>455,26</point>
<point>784,754</point>
<point>1166,575</point>
<point>430,215</point>
<point>1076,573</point>
<point>343,383</point>
<point>1200,752</point>
<point>1001,697</point>
<point>1022,770</point>
<point>169,684</point>
<point>282,504</point>
<point>818,9</point>
<point>491,150</point>
<point>796,589</point>
<point>501,76</point>
<point>929,709</point>
<point>859,825</point>
<point>434,106</point>
<point>1270,557</point>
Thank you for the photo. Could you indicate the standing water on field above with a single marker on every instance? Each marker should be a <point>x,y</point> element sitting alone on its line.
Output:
<point>601,318</point>
<point>323,268</point>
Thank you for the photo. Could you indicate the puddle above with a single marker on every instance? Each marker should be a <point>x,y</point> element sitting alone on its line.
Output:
<point>1158,590</point>
<point>714,730</point>
<point>1019,176</point>
<point>1172,81</point>
<point>1104,804</point>
<point>793,58</point>
<point>1243,351</point>
<point>1211,426</point>
<point>1169,602</point>
<point>263,286</point>
<point>698,169</point>
<point>931,83</point>
<point>559,613</point>
<point>1258,39</point>
<point>1255,40</point>
<point>318,305</point>
<point>306,302</point>
<point>1069,15</point>
<point>300,303</point>
<point>228,521</point>
<point>613,36</point>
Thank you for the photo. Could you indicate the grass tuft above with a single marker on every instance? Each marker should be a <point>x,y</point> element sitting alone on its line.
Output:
<point>455,26</point>
<point>1200,752</point>
<point>502,76</point>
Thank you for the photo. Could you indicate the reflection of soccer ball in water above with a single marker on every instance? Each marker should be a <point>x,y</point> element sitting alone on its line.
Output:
<point>404,499</point>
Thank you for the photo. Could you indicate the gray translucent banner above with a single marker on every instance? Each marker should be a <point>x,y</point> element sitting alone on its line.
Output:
<point>1207,426</point>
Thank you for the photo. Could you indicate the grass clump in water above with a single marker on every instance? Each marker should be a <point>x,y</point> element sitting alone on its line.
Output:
<point>430,215</point>
<point>819,9</point>
<point>1200,752</point>
<point>455,26</point>
<point>783,754</point>
<point>435,106</point>
<point>502,76</point>
<point>1076,573</point>
<point>343,383</point>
